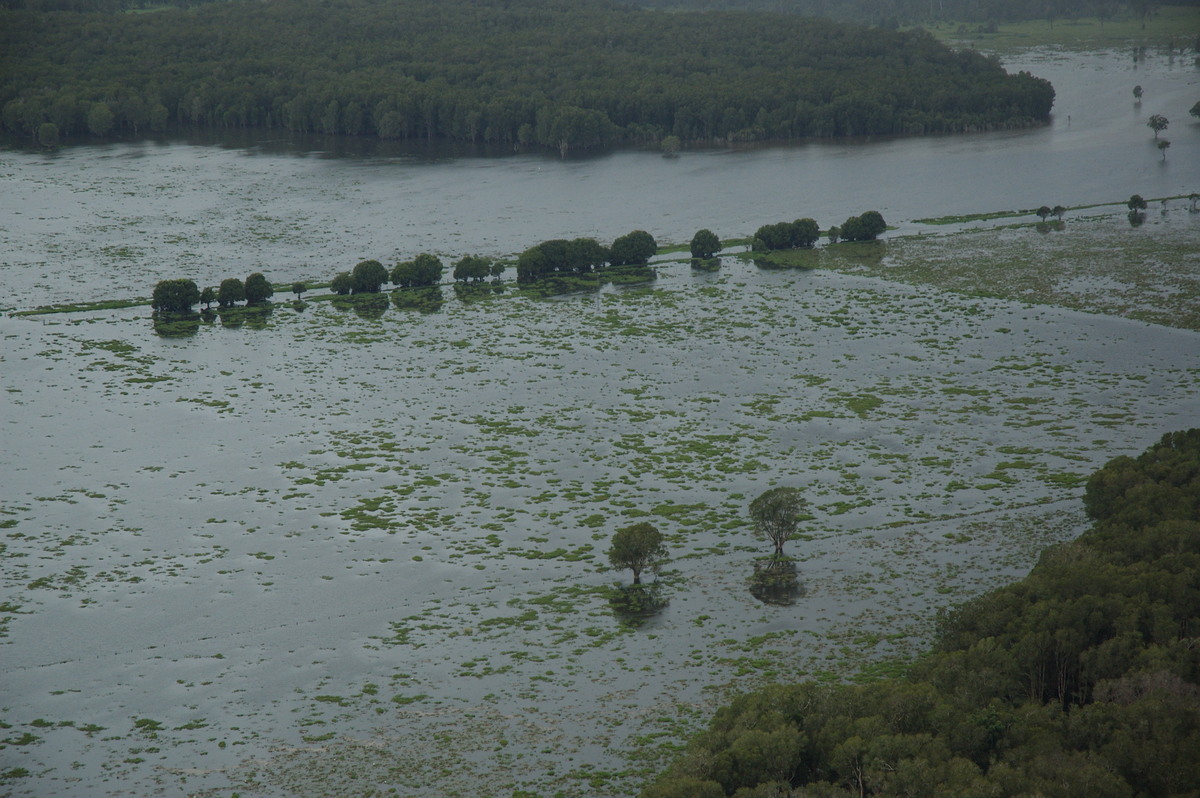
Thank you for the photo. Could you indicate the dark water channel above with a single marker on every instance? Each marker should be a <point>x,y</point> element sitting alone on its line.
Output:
<point>333,555</point>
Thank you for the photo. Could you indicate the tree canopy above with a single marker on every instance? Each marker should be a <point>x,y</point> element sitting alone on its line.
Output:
<point>637,547</point>
<point>1079,680</point>
<point>551,73</point>
<point>776,515</point>
<point>175,296</point>
<point>705,244</point>
<point>258,289</point>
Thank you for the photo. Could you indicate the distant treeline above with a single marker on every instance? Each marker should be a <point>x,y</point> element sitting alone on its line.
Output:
<point>888,12</point>
<point>555,73</point>
<point>1083,679</point>
<point>863,11</point>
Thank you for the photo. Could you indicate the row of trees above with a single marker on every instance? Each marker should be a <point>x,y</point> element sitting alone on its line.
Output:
<point>1080,680</point>
<point>804,232</point>
<point>179,295</point>
<point>557,256</point>
<point>582,255</point>
<point>546,73</point>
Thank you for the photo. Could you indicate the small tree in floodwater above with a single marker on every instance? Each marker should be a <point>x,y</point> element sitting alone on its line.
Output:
<point>637,547</point>
<point>776,515</point>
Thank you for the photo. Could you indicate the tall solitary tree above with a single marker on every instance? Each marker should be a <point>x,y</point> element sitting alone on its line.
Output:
<point>1136,203</point>
<point>1043,212</point>
<point>637,547</point>
<point>1137,94</point>
<point>776,514</point>
<point>1158,123</point>
<point>1162,146</point>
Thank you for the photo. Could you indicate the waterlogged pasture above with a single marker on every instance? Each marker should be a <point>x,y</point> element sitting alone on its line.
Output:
<point>347,555</point>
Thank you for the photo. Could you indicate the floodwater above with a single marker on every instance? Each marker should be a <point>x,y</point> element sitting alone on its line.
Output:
<point>335,555</point>
<point>104,220</point>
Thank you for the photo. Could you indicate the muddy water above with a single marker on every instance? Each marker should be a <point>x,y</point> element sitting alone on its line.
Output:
<point>335,555</point>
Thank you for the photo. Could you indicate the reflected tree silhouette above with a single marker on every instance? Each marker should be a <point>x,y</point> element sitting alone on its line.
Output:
<point>776,582</point>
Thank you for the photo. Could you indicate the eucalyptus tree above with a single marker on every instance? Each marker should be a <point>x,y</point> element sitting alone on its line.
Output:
<point>776,515</point>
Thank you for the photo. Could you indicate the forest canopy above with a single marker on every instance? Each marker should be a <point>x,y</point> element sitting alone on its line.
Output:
<point>556,73</point>
<point>1083,679</point>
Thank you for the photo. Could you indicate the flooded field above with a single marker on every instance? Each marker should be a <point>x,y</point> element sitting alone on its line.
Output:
<point>339,553</point>
<point>332,552</point>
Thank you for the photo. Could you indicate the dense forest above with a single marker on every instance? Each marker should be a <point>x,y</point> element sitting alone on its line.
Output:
<point>1083,679</point>
<point>557,73</point>
<point>885,12</point>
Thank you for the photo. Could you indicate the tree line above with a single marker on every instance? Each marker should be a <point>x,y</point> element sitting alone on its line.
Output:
<point>565,74</point>
<point>1080,680</point>
<point>894,12</point>
<point>554,257</point>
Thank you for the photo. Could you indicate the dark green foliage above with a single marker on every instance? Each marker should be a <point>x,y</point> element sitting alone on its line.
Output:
<point>865,227</point>
<point>526,72</point>
<point>1043,212</point>
<point>1080,680</point>
<point>298,288</point>
<point>786,235</point>
<point>423,270</point>
<point>208,296</point>
<point>368,276</point>
<point>633,249</point>
<point>560,256</point>
<point>637,547</point>
<point>471,268</point>
<point>342,284</point>
<point>1158,123</point>
<point>47,135</point>
<point>231,291</point>
<point>1136,203</point>
<point>258,289</point>
<point>705,244</point>
<point>175,296</point>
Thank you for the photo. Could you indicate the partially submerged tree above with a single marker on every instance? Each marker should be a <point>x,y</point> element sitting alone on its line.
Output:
<point>1043,212</point>
<point>231,291</point>
<point>342,284</point>
<point>637,547</point>
<point>298,289</point>
<point>1137,94</point>
<point>175,296</point>
<point>705,244</point>
<point>633,249</point>
<point>1162,147</point>
<point>1136,203</point>
<point>1058,212</point>
<point>776,514</point>
<point>258,289</point>
<point>368,276</point>
<point>1158,123</point>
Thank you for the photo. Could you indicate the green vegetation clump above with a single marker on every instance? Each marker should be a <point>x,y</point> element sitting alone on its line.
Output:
<point>1081,679</point>
<point>524,73</point>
